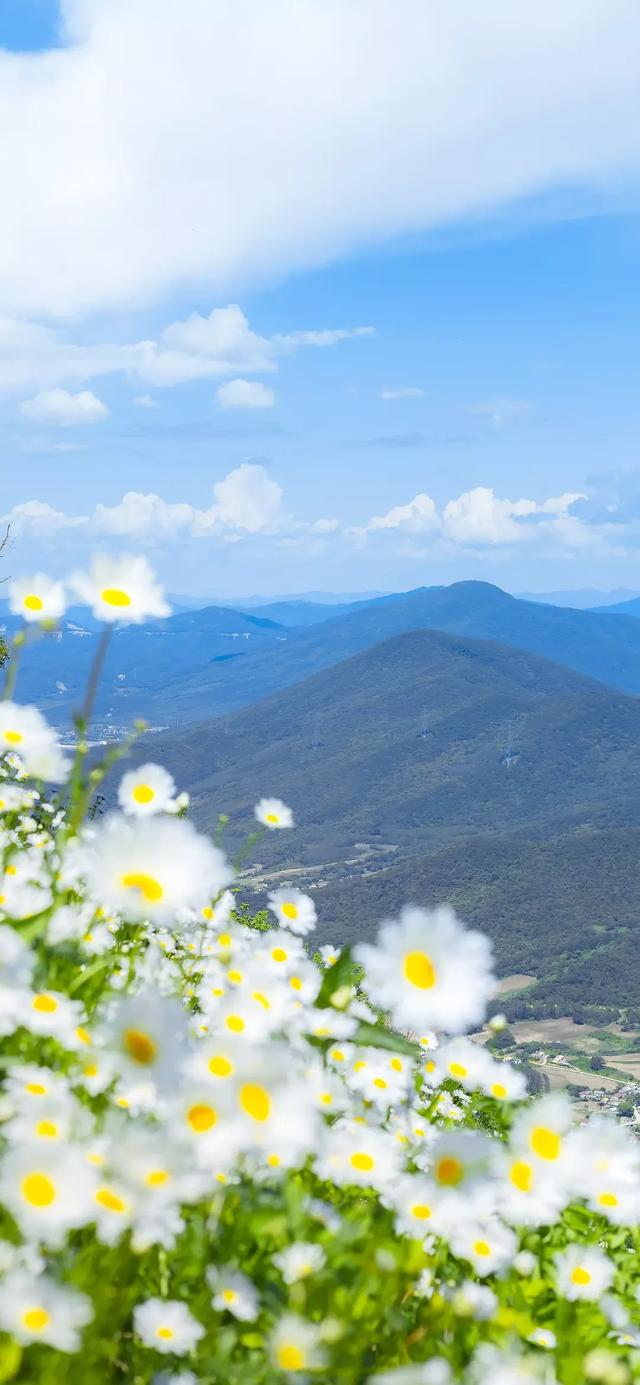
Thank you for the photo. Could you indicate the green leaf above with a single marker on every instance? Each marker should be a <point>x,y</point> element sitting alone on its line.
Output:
<point>339,975</point>
<point>376,1036</point>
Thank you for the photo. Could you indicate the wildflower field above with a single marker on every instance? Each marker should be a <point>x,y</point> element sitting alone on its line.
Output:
<point>227,1158</point>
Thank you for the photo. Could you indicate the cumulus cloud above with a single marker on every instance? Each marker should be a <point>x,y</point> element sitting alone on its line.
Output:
<point>418,516</point>
<point>479,518</point>
<point>248,504</point>
<point>198,179</point>
<point>196,348</point>
<point>404,392</point>
<point>64,410</point>
<point>245,394</point>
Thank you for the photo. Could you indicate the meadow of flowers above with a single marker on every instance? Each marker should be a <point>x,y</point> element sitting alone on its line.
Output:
<point>230,1159</point>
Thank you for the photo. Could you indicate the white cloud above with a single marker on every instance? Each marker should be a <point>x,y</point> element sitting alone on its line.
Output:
<point>500,411</point>
<point>144,401</point>
<point>404,392</point>
<point>197,348</point>
<point>247,499</point>
<point>419,515</point>
<point>222,109</point>
<point>245,394</point>
<point>63,409</point>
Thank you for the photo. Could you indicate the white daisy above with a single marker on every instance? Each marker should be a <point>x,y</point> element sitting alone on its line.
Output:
<point>146,1035</point>
<point>147,790</point>
<point>233,1293</point>
<point>359,1154</point>
<point>48,1190</point>
<point>120,588</point>
<point>294,910</point>
<point>149,869</point>
<point>37,598</point>
<point>25,731</point>
<point>273,813</point>
<point>583,1272</point>
<point>296,1345</point>
<point>488,1246</point>
<point>36,1309</point>
<point>299,1260</point>
<point>167,1326</point>
<point>428,971</point>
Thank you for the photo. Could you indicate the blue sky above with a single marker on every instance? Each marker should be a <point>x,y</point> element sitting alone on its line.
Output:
<point>486,426</point>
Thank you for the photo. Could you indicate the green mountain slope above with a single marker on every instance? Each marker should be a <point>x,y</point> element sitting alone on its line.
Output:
<point>434,767</point>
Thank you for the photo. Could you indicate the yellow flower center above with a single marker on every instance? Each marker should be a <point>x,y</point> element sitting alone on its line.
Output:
<point>33,603</point>
<point>13,737</point>
<point>235,1023</point>
<point>229,1295</point>
<point>45,1004</point>
<point>608,1200</point>
<point>36,1319</point>
<point>545,1143</point>
<point>521,1176</point>
<point>295,983</point>
<point>201,1118</point>
<point>143,793</point>
<point>150,889</point>
<point>272,817</point>
<point>397,1064</point>
<point>82,1036</point>
<point>290,1358</point>
<point>449,1171</point>
<point>419,970</point>
<point>225,940</point>
<point>421,1211</point>
<point>482,1248</point>
<point>113,596</point>
<point>165,1333</point>
<point>140,1047</point>
<point>220,1067</point>
<point>235,977</point>
<point>255,1101</point>
<point>36,1089</point>
<point>38,1190</point>
<point>457,1070</point>
<point>273,1161</point>
<point>46,1130</point>
<point>580,1276</point>
<point>380,1082</point>
<point>157,1178</point>
<point>498,1090</point>
<point>110,1200</point>
<point>261,1000</point>
<point>363,1162</point>
<point>279,954</point>
<point>290,911</point>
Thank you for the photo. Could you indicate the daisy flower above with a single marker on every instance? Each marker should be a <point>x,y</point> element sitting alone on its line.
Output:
<point>488,1246</point>
<point>295,1345</point>
<point>358,1154</point>
<point>149,869</point>
<point>294,910</point>
<point>40,1310</point>
<point>37,598</point>
<point>51,1014</point>
<point>49,1191</point>
<point>167,1326</point>
<point>583,1272</point>
<point>273,813</point>
<point>428,971</point>
<point>24,730</point>
<point>147,790</point>
<point>233,1293</point>
<point>146,1033</point>
<point>120,588</point>
<point>542,1128</point>
<point>299,1260</point>
<point>329,954</point>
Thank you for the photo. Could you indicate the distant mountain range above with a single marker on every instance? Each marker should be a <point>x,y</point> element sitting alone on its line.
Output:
<point>209,662</point>
<point>434,766</point>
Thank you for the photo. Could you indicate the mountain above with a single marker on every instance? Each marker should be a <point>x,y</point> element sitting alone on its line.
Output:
<point>222,660</point>
<point>295,612</point>
<point>584,599</point>
<point>624,608</point>
<point>437,767</point>
<point>141,659</point>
